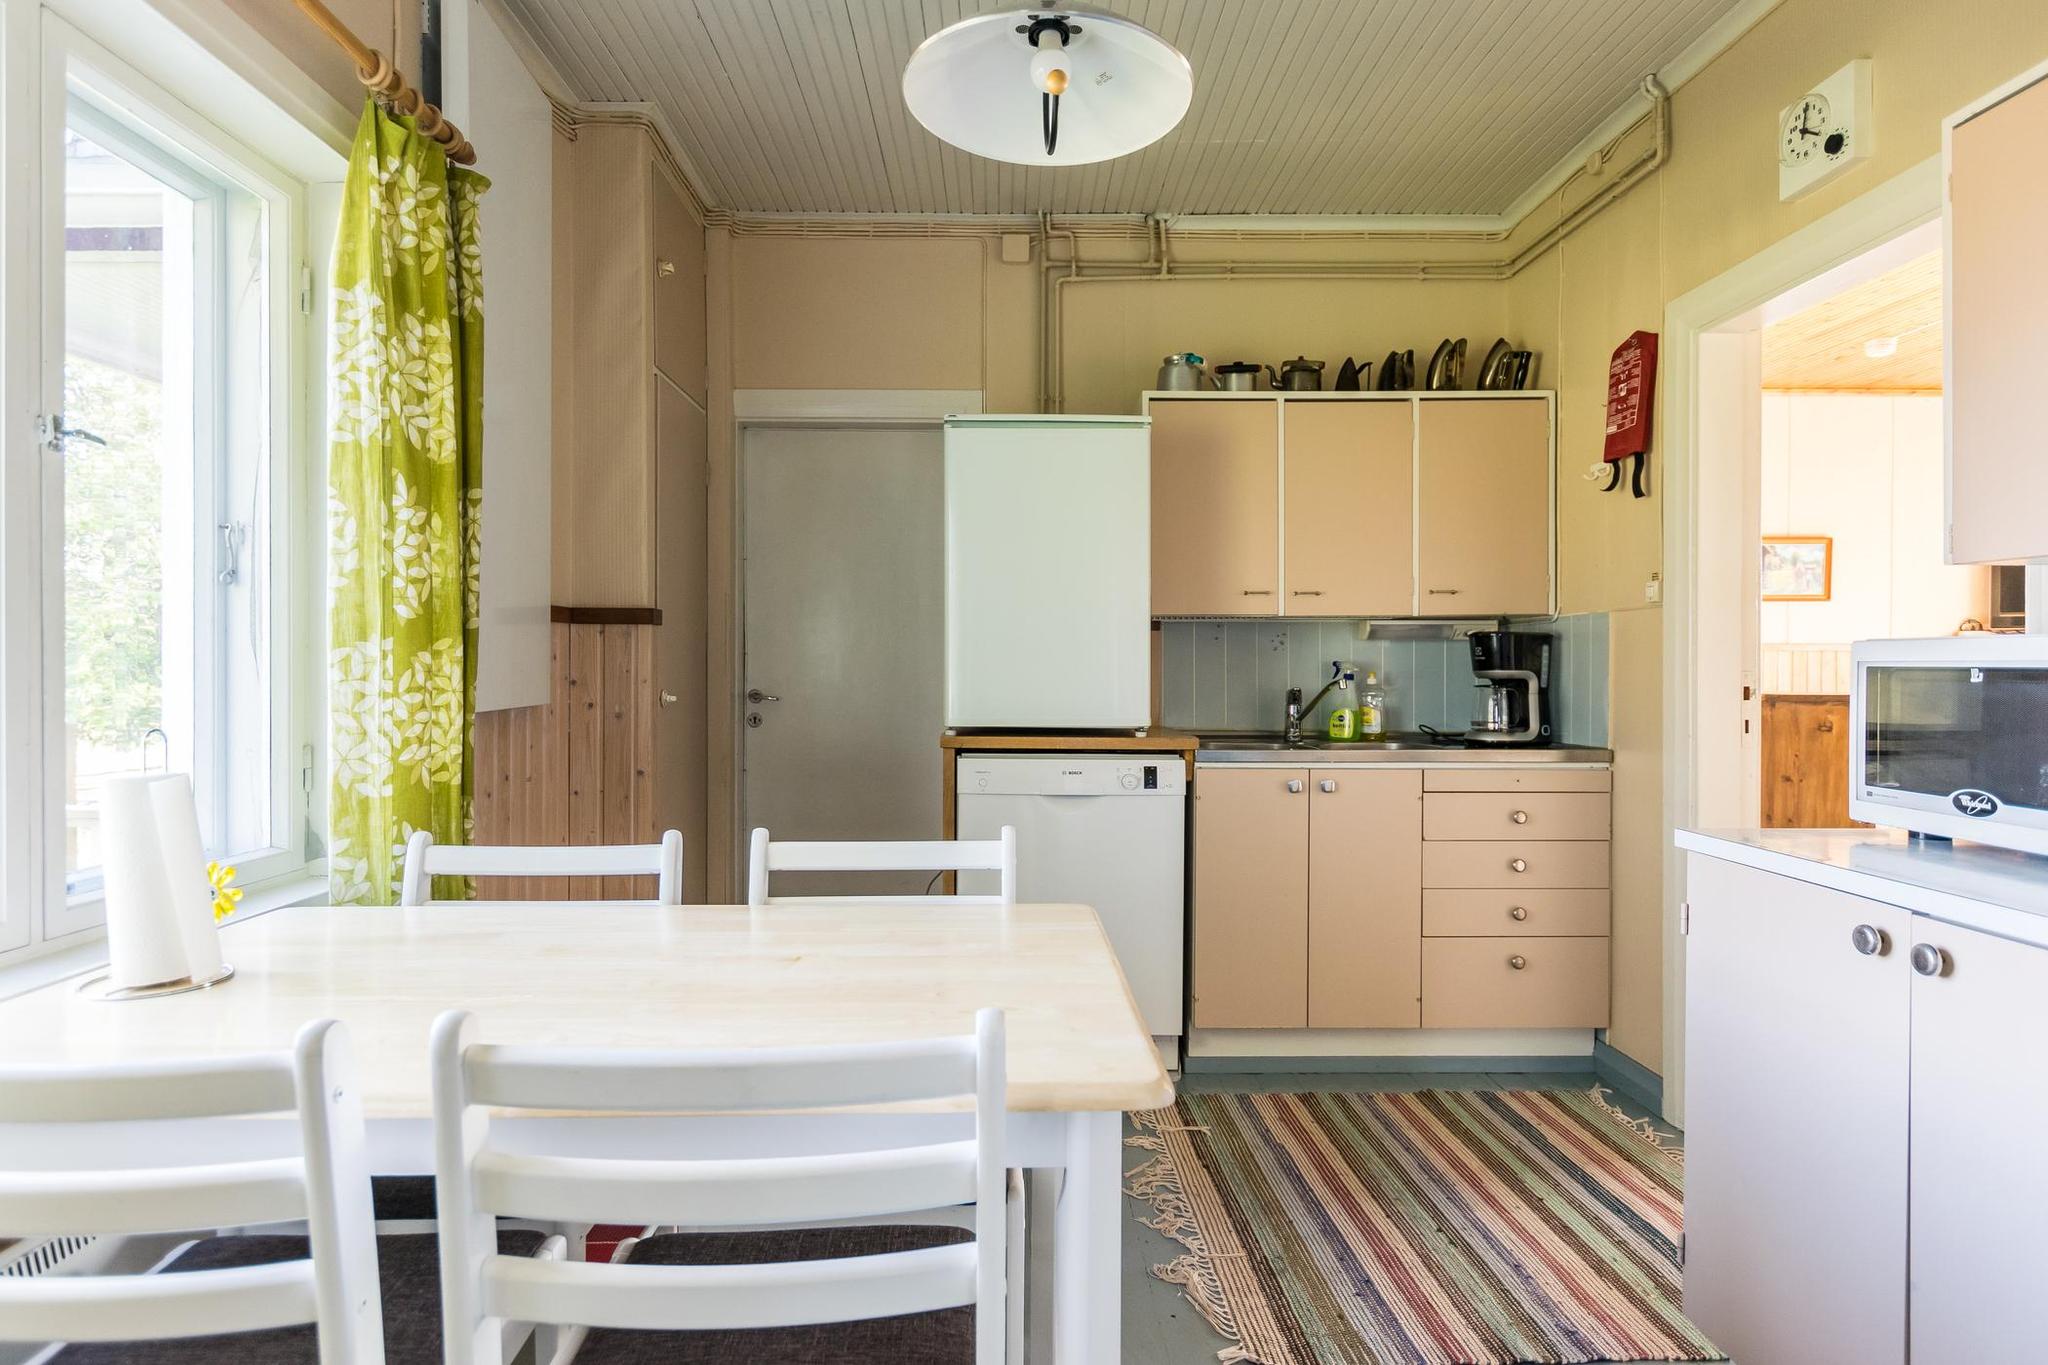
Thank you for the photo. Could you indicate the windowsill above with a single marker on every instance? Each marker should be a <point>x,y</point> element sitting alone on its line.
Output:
<point>33,973</point>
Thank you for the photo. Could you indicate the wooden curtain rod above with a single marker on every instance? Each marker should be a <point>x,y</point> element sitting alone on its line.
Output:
<point>377,73</point>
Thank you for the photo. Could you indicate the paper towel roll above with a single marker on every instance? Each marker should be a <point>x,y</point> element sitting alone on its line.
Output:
<point>189,896</point>
<point>145,943</point>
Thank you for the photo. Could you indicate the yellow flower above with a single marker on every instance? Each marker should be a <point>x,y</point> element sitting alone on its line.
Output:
<point>225,897</point>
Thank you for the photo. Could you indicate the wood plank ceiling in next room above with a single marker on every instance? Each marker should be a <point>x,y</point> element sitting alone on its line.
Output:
<point>1301,106</point>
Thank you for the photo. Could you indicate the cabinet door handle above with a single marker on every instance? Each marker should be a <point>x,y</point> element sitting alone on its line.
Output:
<point>1308,592</point>
<point>1870,940</point>
<point>1518,864</point>
<point>1518,962</point>
<point>1929,960</point>
<point>1445,592</point>
<point>1258,592</point>
<point>1294,784</point>
<point>1518,912</point>
<point>664,268</point>
<point>1328,784</point>
<point>1520,817</point>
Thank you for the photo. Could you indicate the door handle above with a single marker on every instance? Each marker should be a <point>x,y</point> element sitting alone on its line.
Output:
<point>1308,592</point>
<point>1519,864</point>
<point>1445,592</point>
<point>668,698</point>
<point>1518,962</point>
<point>1520,817</point>
<point>1294,784</point>
<point>755,696</point>
<point>1518,913</point>
<point>1258,592</point>
<point>1328,784</point>
<point>1870,940</point>
<point>1929,960</point>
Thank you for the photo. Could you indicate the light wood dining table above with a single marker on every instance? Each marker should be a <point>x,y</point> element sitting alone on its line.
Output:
<point>612,975</point>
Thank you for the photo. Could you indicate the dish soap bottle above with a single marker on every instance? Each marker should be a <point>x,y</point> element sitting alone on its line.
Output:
<point>1372,709</point>
<point>1344,713</point>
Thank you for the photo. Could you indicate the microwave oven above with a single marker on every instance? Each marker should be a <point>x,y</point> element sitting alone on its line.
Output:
<point>1950,737</point>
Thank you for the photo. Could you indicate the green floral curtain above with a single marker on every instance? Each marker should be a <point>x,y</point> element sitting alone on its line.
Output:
<point>405,487</point>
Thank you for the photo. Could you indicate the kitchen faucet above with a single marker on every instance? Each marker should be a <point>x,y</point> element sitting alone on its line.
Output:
<point>1296,712</point>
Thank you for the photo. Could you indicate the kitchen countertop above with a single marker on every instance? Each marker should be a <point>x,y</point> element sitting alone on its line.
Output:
<point>1413,750</point>
<point>1976,886</point>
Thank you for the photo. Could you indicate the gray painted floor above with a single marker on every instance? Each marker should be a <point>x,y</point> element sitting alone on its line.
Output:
<point>1160,1327</point>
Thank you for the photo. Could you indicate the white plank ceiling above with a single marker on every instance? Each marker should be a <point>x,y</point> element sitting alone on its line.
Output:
<point>1301,106</point>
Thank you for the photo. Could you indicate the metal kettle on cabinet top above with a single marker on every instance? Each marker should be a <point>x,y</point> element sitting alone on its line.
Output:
<point>1183,373</point>
<point>1299,375</point>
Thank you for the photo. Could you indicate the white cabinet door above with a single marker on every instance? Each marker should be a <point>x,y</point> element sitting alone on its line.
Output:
<point>1796,1087</point>
<point>1979,1178</point>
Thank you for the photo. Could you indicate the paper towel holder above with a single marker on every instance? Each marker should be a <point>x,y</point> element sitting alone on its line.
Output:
<point>96,988</point>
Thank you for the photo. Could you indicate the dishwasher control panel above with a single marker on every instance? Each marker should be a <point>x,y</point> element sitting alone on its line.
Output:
<point>1072,775</point>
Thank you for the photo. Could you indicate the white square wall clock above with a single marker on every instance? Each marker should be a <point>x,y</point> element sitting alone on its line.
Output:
<point>1825,131</point>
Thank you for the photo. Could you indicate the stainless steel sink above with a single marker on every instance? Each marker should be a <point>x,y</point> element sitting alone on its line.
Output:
<point>1242,743</point>
<point>1403,746</point>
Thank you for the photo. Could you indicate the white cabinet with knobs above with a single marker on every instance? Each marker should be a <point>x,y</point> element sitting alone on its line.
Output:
<point>1864,1096</point>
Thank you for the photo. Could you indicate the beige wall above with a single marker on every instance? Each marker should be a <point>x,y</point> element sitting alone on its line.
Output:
<point>1713,206</point>
<point>392,27</point>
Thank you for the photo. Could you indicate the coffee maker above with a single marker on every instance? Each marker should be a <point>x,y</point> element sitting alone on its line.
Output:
<point>1511,669</point>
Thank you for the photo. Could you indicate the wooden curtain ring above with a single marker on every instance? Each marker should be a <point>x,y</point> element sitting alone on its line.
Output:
<point>429,121</point>
<point>407,101</point>
<point>374,77</point>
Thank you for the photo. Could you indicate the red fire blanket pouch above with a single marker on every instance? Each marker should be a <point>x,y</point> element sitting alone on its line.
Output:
<point>1631,386</point>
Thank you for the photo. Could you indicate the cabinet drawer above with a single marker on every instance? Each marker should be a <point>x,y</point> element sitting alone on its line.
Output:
<point>1475,982</point>
<point>1515,815</point>
<point>1533,913</point>
<point>1514,863</point>
<point>1540,778</point>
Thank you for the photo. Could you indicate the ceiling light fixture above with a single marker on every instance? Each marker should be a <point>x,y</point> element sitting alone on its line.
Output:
<point>1117,85</point>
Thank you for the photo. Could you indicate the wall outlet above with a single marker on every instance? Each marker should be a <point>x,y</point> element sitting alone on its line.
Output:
<point>1653,588</point>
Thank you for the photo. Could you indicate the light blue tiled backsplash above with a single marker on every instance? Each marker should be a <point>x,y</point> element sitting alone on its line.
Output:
<point>1234,675</point>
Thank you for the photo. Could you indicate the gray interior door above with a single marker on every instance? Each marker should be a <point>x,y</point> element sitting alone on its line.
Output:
<point>844,581</point>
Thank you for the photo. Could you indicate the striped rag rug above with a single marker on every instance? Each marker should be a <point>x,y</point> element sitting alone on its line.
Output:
<point>1440,1227</point>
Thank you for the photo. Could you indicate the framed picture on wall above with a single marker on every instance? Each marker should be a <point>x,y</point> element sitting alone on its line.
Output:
<point>1798,569</point>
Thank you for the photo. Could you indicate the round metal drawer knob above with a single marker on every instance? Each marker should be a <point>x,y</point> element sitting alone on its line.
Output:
<point>1520,817</point>
<point>1519,864</point>
<point>1929,960</point>
<point>1518,962</point>
<point>1870,940</point>
<point>1518,912</point>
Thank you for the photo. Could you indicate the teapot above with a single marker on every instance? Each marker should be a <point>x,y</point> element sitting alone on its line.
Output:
<point>1184,372</point>
<point>1299,375</point>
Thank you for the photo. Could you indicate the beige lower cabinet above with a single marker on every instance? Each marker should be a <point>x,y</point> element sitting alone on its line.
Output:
<point>1307,898</point>
<point>1363,898</point>
<point>1251,898</point>
<point>1515,869</point>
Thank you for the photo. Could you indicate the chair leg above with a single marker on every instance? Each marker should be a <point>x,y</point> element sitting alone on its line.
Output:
<point>1016,1299</point>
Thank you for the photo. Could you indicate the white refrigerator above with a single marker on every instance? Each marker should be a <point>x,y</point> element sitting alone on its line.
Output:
<point>1048,573</point>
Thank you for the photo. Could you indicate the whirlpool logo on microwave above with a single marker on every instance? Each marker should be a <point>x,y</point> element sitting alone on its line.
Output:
<point>1974,803</point>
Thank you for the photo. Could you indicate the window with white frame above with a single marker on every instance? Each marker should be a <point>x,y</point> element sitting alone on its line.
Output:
<point>174,473</point>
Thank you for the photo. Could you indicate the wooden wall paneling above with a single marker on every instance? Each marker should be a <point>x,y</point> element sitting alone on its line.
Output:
<point>549,782</point>
<point>1806,762</point>
<point>585,693</point>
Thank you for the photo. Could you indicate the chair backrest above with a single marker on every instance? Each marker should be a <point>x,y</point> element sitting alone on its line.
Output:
<point>426,860</point>
<point>327,1185</point>
<point>998,855</point>
<point>477,1182</point>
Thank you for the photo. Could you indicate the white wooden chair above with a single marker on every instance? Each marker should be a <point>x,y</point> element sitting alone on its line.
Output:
<point>998,855</point>
<point>710,1283</point>
<point>426,860</point>
<point>335,1288</point>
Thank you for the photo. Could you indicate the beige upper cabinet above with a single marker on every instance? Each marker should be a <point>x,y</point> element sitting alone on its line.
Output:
<point>1997,296</point>
<point>1483,518</point>
<point>679,338</point>
<point>1350,524</point>
<point>1215,508</point>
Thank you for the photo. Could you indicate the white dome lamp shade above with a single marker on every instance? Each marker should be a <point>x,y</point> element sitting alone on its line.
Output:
<point>1045,88</point>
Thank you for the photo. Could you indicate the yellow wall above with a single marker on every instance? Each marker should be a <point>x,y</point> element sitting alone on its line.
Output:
<point>1713,206</point>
